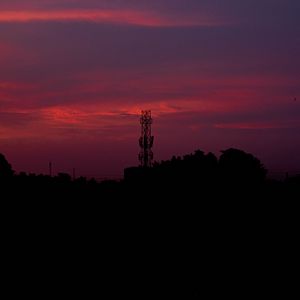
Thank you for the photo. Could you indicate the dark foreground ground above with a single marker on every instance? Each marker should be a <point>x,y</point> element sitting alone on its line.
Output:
<point>149,240</point>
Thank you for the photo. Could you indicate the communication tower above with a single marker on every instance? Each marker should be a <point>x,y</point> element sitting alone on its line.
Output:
<point>146,139</point>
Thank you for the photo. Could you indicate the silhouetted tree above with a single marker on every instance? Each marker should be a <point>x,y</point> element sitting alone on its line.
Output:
<point>64,177</point>
<point>5,168</point>
<point>237,166</point>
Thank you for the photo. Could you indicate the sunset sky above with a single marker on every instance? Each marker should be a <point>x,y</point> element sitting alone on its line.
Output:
<point>75,74</point>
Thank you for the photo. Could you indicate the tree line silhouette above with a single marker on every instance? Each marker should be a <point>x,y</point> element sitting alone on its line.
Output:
<point>182,227</point>
<point>196,176</point>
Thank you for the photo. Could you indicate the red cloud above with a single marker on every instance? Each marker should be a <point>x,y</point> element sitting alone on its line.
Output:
<point>260,125</point>
<point>132,17</point>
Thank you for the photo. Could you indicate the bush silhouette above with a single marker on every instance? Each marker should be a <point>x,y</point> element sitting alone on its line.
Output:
<point>6,170</point>
<point>237,166</point>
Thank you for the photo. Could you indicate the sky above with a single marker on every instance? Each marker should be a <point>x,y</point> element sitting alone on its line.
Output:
<point>75,75</point>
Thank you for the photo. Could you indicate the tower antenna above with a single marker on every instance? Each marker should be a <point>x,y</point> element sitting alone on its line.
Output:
<point>146,139</point>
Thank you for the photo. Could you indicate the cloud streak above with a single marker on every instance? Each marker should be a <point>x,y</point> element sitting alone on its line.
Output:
<point>110,16</point>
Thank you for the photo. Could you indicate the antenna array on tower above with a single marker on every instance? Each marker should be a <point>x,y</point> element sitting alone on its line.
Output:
<point>146,139</point>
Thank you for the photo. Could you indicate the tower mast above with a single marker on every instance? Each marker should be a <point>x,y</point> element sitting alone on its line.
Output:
<point>146,139</point>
